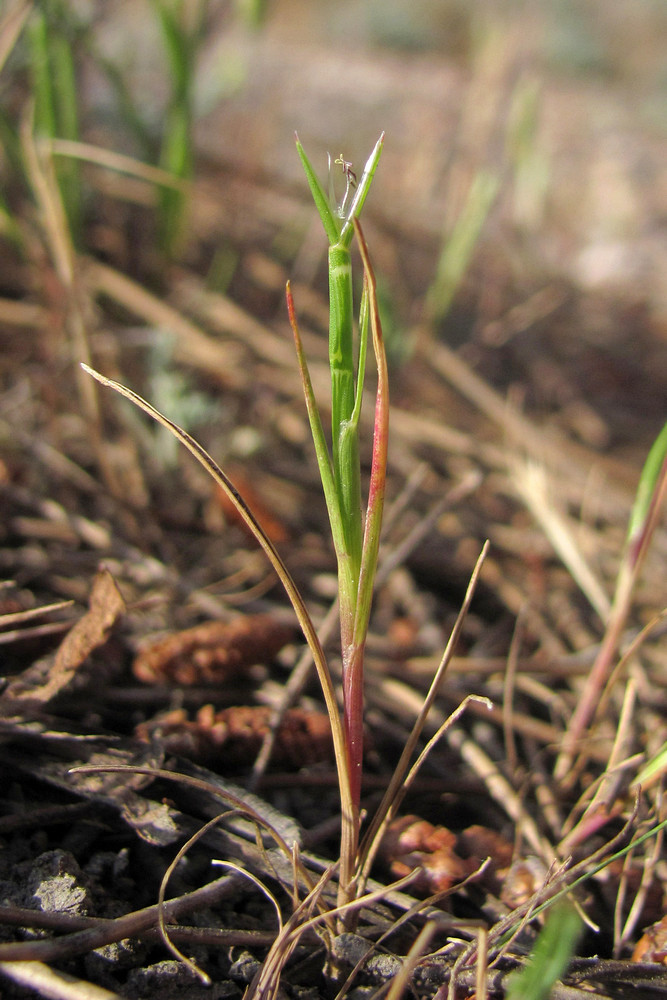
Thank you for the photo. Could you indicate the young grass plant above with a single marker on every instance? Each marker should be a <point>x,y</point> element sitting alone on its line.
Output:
<point>356,540</point>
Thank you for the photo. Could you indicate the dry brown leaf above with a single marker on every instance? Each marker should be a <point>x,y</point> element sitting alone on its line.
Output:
<point>212,653</point>
<point>105,607</point>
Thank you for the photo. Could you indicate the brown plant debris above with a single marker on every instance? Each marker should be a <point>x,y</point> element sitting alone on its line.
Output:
<point>47,679</point>
<point>275,530</point>
<point>652,945</point>
<point>235,735</point>
<point>212,653</point>
<point>411,842</point>
<point>477,844</point>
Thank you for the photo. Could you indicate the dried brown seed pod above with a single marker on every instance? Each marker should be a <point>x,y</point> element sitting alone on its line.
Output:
<point>411,842</point>
<point>235,735</point>
<point>477,844</point>
<point>212,653</point>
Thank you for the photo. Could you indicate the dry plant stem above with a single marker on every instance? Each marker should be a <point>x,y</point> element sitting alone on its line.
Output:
<point>530,480</point>
<point>162,925</point>
<point>402,980</point>
<point>103,932</point>
<point>639,539</point>
<point>511,755</point>
<point>636,910</point>
<point>48,982</point>
<point>11,27</point>
<point>393,795</point>
<point>66,923</point>
<point>266,983</point>
<point>599,808</point>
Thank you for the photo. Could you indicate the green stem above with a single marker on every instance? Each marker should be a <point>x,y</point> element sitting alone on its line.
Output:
<point>345,437</point>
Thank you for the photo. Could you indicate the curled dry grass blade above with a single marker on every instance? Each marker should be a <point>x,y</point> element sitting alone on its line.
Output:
<point>239,804</point>
<point>305,621</point>
<point>162,924</point>
<point>267,982</point>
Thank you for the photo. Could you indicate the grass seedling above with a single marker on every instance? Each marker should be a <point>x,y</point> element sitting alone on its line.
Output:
<point>356,540</point>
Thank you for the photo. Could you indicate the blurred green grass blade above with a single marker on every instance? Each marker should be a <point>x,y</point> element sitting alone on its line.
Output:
<point>251,11</point>
<point>459,246</point>
<point>41,77</point>
<point>653,473</point>
<point>55,97</point>
<point>9,227</point>
<point>67,123</point>
<point>176,158</point>
<point>553,950</point>
<point>325,210</point>
<point>10,146</point>
<point>653,769</point>
<point>177,44</point>
<point>180,38</point>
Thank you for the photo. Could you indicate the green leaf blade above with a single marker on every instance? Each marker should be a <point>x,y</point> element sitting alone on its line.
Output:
<point>329,221</point>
